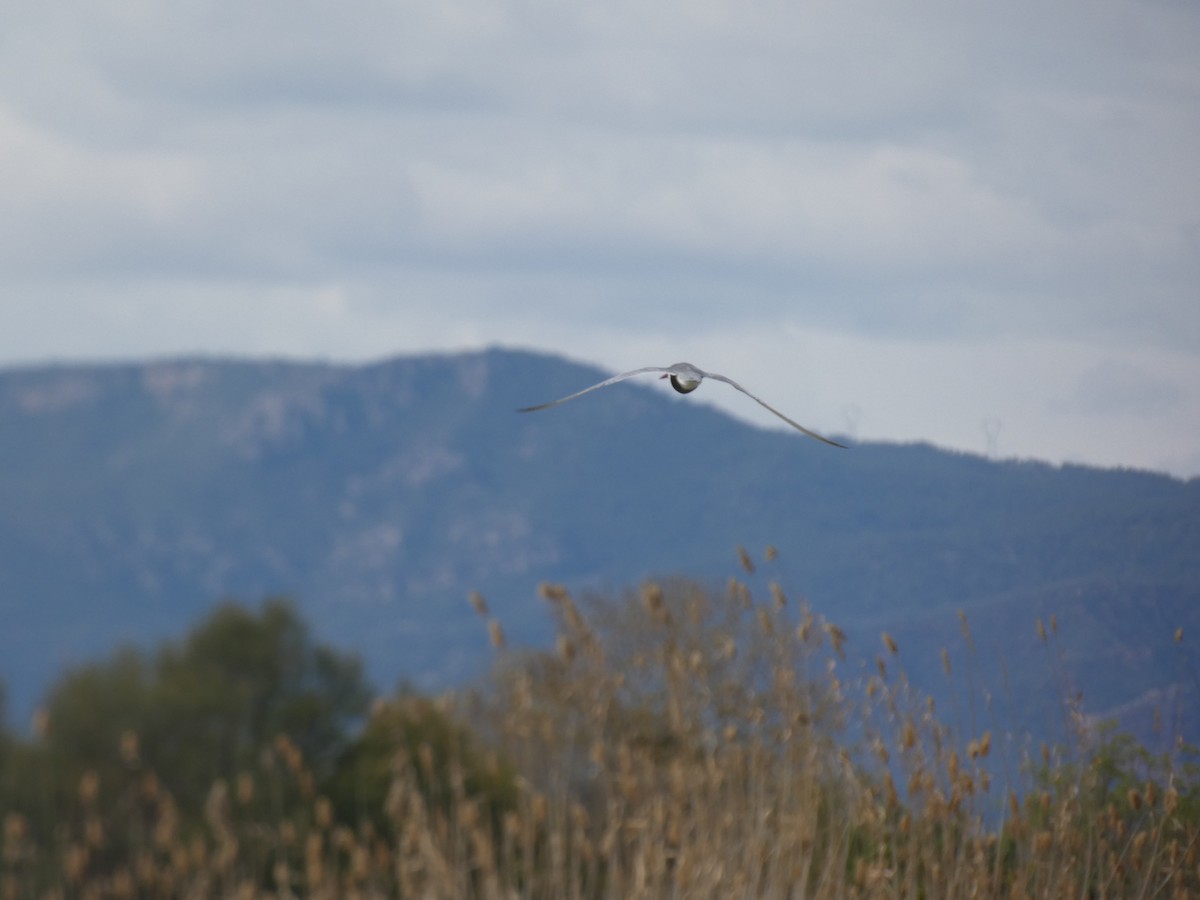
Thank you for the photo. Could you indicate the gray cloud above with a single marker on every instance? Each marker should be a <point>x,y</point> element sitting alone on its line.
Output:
<point>479,171</point>
<point>1121,388</point>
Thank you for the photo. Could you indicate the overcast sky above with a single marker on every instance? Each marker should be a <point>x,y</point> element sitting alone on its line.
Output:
<point>974,224</point>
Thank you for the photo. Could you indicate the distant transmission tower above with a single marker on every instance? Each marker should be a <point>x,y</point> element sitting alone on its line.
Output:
<point>851,413</point>
<point>991,434</point>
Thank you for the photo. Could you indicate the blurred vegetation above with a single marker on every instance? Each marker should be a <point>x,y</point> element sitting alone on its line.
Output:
<point>675,742</point>
<point>198,709</point>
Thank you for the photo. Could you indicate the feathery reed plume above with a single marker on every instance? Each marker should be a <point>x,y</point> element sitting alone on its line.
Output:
<point>672,742</point>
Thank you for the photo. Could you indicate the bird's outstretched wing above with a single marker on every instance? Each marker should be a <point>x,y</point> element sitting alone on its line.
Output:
<point>594,387</point>
<point>767,406</point>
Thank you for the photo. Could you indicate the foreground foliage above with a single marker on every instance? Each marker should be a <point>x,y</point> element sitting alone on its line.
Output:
<point>676,743</point>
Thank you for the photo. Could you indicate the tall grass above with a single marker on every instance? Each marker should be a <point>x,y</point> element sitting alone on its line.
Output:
<point>676,743</point>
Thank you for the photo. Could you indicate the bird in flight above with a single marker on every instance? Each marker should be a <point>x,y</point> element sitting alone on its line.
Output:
<point>685,378</point>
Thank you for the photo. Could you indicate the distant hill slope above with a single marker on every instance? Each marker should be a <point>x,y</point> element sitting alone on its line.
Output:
<point>134,496</point>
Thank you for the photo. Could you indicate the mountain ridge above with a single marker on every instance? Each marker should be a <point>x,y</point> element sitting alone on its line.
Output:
<point>379,494</point>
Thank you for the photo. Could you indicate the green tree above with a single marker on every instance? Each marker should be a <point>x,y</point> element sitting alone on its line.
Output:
<point>194,711</point>
<point>240,680</point>
<point>444,755</point>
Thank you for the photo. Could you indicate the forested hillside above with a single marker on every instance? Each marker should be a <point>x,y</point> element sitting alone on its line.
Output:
<point>135,497</point>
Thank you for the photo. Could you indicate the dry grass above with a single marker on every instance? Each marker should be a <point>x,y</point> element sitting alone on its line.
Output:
<point>675,744</point>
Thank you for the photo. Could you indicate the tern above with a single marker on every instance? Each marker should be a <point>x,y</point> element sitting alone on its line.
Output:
<point>685,378</point>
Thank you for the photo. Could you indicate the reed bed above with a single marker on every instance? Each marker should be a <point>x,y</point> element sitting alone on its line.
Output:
<point>678,742</point>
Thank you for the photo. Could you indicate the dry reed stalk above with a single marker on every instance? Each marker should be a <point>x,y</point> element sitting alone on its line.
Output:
<point>679,744</point>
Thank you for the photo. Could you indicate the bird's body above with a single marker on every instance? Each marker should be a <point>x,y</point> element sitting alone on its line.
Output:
<point>684,378</point>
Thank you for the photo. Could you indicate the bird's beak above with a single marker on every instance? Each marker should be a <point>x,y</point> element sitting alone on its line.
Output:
<point>664,375</point>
